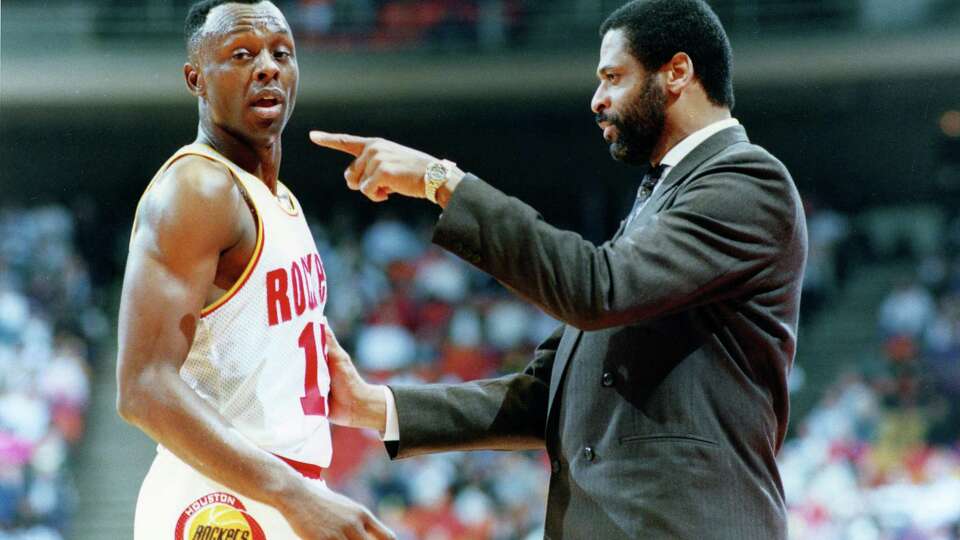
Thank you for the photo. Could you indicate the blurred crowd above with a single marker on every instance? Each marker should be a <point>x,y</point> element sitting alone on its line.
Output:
<point>47,326</point>
<point>879,457</point>
<point>828,256</point>
<point>863,467</point>
<point>497,24</point>
<point>443,24</point>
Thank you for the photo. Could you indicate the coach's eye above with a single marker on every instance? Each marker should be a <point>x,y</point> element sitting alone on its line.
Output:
<point>613,78</point>
<point>242,54</point>
<point>281,55</point>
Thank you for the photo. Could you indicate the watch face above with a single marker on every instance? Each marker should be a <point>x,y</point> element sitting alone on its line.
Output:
<point>436,172</point>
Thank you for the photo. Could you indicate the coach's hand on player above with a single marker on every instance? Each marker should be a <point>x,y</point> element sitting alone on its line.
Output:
<point>353,401</point>
<point>317,513</point>
<point>380,167</point>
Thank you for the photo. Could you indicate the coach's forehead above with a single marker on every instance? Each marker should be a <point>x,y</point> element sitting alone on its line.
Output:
<point>231,18</point>
<point>615,46</point>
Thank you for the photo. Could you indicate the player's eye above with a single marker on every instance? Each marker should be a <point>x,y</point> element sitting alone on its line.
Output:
<point>613,78</point>
<point>241,54</point>
<point>281,55</point>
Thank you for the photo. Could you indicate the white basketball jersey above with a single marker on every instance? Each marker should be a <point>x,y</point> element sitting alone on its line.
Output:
<point>259,352</point>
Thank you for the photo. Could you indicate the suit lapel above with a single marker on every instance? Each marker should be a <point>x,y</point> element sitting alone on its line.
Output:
<point>715,144</point>
<point>623,225</point>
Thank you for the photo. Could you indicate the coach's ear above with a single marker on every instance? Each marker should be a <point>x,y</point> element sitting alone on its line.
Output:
<point>680,73</point>
<point>194,79</point>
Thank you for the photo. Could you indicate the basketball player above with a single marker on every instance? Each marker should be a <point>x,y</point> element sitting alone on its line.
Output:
<point>222,348</point>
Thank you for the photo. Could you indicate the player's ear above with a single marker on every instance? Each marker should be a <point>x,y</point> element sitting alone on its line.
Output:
<point>193,79</point>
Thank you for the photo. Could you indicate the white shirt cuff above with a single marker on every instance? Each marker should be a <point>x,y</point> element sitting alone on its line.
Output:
<point>392,431</point>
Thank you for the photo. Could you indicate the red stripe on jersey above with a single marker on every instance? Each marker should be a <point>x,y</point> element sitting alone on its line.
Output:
<point>308,470</point>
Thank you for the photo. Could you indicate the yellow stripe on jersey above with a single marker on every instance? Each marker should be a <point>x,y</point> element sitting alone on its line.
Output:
<point>207,152</point>
<point>246,271</point>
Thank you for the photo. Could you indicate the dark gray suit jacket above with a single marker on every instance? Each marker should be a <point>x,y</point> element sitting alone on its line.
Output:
<point>662,400</point>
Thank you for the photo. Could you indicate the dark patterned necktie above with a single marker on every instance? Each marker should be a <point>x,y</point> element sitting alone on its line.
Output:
<point>647,185</point>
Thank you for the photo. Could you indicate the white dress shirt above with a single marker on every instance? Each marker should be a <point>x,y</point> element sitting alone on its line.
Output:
<point>673,157</point>
<point>392,432</point>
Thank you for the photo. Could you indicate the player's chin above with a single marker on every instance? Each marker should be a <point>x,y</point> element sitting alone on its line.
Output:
<point>266,127</point>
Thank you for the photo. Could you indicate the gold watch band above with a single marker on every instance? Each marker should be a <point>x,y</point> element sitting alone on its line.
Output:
<point>436,175</point>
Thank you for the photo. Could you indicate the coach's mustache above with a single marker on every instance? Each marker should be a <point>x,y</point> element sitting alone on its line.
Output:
<point>603,117</point>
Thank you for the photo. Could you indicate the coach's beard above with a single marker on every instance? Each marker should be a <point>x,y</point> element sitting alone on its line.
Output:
<point>639,127</point>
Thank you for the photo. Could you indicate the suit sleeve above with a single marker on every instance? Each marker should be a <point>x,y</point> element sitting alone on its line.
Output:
<point>506,413</point>
<point>722,230</point>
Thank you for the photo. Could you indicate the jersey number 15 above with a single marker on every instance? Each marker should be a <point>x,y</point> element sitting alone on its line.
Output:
<point>313,402</point>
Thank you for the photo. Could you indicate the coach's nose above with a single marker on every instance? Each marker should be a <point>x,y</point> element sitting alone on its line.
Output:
<point>267,68</point>
<point>600,100</point>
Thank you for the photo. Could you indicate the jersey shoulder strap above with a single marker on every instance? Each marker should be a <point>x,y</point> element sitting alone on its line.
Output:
<point>204,151</point>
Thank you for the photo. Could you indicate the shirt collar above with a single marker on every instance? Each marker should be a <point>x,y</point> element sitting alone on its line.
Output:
<point>684,147</point>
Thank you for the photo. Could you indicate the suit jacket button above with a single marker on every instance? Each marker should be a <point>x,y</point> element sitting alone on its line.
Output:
<point>588,454</point>
<point>607,378</point>
<point>555,466</point>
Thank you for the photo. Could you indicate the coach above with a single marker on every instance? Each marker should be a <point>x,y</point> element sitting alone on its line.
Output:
<point>662,399</point>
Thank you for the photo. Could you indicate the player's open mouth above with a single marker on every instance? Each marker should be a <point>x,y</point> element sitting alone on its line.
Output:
<point>268,104</point>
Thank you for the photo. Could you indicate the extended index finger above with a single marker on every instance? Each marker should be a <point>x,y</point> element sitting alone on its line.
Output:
<point>351,144</point>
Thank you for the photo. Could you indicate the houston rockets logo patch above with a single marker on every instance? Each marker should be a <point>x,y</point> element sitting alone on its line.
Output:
<point>217,516</point>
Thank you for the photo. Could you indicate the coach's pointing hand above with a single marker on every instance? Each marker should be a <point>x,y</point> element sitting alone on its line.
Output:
<point>382,167</point>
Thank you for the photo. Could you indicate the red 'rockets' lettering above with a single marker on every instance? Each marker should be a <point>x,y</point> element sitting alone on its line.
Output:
<point>299,298</point>
<point>321,279</point>
<point>277,296</point>
<point>307,263</point>
<point>303,288</point>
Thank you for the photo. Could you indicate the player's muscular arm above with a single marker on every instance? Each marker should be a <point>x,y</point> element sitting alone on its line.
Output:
<point>186,221</point>
<point>190,216</point>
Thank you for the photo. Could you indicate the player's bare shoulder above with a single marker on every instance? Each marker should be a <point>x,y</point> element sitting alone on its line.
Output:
<point>195,202</point>
<point>191,185</point>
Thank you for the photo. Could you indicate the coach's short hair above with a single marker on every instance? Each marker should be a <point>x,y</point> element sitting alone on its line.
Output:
<point>658,29</point>
<point>197,17</point>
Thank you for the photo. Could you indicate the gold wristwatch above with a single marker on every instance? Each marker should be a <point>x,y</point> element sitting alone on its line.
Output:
<point>438,172</point>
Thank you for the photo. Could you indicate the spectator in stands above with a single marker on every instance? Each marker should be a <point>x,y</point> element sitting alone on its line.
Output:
<point>907,310</point>
<point>44,379</point>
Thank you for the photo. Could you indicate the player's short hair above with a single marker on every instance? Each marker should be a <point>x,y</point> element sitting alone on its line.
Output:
<point>197,17</point>
<point>658,29</point>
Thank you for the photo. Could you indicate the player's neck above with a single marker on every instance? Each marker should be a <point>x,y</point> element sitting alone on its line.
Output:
<point>261,161</point>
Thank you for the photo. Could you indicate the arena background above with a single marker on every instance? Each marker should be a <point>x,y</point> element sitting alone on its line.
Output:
<point>859,98</point>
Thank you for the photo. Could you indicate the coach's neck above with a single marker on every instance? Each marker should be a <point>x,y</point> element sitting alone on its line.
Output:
<point>689,112</point>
